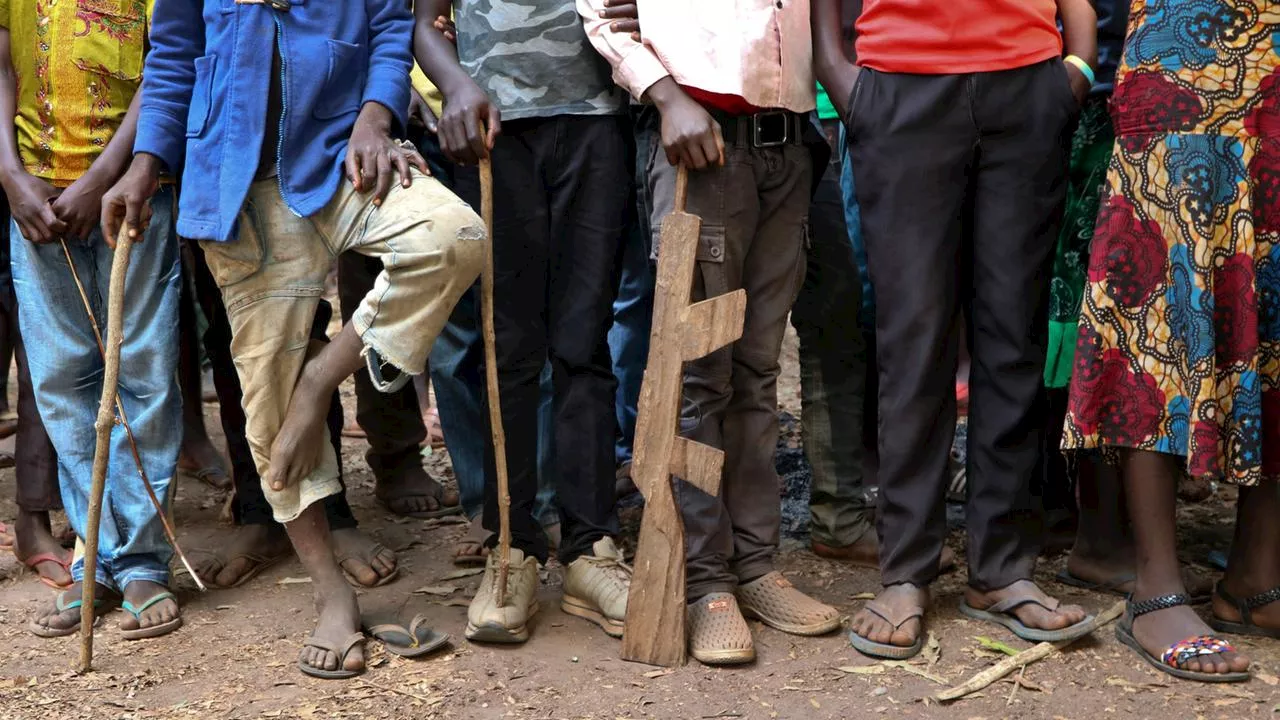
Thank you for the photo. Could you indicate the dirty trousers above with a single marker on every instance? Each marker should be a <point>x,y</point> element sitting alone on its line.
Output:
<point>272,276</point>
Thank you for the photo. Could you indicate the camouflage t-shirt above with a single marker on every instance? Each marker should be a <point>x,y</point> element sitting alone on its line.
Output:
<point>533,59</point>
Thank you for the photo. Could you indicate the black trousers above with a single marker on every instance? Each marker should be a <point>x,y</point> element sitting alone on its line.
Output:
<point>961,181</point>
<point>561,187</point>
<point>251,506</point>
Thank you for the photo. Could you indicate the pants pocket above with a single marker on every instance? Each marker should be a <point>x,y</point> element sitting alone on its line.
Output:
<point>241,257</point>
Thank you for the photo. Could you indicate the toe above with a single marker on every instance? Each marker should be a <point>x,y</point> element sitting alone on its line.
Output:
<point>363,574</point>
<point>1193,665</point>
<point>355,659</point>
<point>1236,662</point>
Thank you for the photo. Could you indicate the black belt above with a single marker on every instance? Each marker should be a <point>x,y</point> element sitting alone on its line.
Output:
<point>765,129</point>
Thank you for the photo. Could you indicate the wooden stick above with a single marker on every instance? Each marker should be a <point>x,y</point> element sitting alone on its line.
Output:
<point>169,533</point>
<point>102,451</point>
<point>491,381</point>
<point>1023,659</point>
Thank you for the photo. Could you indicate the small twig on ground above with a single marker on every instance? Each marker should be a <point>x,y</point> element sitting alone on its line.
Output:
<point>1024,658</point>
<point>1016,683</point>
<point>387,688</point>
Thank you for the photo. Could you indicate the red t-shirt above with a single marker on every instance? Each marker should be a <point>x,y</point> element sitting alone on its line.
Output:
<point>946,37</point>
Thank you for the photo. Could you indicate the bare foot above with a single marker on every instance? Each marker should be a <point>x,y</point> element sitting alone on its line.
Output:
<point>249,550</point>
<point>138,594</point>
<point>405,488</point>
<point>32,536</point>
<point>1030,614</point>
<point>200,459</point>
<point>339,617</point>
<point>360,556</point>
<point>296,450</point>
<point>865,552</point>
<point>898,601</point>
<point>1160,630</point>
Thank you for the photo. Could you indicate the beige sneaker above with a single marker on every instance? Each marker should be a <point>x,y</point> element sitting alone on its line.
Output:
<point>718,634</point>
<point>486,622</point>
<point>774,601</point>
<point>596,587</point>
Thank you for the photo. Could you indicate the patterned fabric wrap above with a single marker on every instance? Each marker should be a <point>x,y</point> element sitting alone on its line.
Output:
<point>1178,349</point>
<point>1183,651</point>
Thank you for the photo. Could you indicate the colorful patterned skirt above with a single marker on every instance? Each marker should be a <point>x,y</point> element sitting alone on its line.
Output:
<point>1178,349</point>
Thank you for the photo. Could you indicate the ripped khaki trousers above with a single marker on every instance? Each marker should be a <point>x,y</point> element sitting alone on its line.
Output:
<point>272,277</point>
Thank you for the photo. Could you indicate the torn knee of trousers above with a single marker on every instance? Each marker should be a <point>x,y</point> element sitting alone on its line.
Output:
<point>380,371</point>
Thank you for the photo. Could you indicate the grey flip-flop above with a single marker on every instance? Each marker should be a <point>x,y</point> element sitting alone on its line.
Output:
<point>1001,613</point>
<point>414,641</point>
<point>373,552</point>
<point>889,651</point>
<point>342,651</point>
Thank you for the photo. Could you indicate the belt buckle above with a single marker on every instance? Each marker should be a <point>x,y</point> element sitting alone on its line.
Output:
<point>771,128</point>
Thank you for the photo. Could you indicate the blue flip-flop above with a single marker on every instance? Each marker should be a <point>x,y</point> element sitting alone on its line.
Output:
<point>143,633</point>
<point>61,605</point>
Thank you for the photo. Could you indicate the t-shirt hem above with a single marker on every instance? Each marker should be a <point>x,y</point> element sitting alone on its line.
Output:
<point>933,66</point>
<point>560,110</point>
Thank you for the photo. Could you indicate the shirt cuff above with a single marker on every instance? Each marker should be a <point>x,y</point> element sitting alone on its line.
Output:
<point>639,70</point>
<point>161,135</point>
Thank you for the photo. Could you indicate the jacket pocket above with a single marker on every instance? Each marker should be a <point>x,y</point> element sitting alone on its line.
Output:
<point>112,40</point>
<point>344,84</point>
<point>201,95</point>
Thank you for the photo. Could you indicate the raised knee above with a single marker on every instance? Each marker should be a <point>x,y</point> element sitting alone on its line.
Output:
<point>463,233</point>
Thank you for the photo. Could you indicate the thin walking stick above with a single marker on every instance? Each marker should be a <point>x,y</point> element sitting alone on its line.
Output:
<point>491,381</point>
<point>102,450</point>
<point>169,533</point>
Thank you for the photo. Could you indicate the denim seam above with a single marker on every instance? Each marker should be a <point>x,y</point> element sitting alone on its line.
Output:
<point>277,292</point>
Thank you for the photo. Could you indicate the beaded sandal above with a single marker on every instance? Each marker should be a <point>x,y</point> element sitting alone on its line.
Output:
<point>1181,652</point>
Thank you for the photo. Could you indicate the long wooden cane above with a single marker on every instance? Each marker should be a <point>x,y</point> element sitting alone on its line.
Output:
<point>102,450</point>
<point>491,381</point>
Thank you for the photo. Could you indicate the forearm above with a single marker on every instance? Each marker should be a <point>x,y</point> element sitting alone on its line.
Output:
<point>437,57</point>
<point>1079,30</point>
<point>114,159</point>
<point>10,161</point>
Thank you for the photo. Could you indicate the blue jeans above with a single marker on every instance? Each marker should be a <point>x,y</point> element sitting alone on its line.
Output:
<point>67,369</point>
<point>853,220</point>
<point>457,374</point>
<point>633,308</point>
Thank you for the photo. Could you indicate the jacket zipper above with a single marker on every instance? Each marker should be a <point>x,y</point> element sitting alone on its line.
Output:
<point>284,111</point>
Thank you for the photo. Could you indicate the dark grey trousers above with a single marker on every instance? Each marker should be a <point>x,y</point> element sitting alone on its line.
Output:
<point>754,214</point>
<point>961,181</point>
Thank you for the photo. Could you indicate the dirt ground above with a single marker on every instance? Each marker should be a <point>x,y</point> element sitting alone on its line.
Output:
<point>235,656</point>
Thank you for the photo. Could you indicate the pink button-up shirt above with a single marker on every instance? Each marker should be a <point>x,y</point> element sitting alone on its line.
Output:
<point>758,50</point>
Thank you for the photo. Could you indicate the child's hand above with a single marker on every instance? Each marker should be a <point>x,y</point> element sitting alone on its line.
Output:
<point>80,206</point>
<point>373,157</point>
<point>420,114</point>
<point>31,203</point>
<point>625,16</point>
<point>463,135</point>
<point>447,28</point>
<point>690,135</point>
<point>128,202</point>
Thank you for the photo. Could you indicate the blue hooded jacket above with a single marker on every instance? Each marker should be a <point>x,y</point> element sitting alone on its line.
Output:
<point>205,86</point>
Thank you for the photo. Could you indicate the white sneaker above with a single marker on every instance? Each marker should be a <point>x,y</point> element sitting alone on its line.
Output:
<point>486,621</point>
<point>596,587</point>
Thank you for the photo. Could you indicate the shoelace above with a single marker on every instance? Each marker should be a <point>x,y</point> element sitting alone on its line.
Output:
<point>614,569</point>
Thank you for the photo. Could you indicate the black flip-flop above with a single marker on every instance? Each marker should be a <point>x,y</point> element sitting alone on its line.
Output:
<point>1001,613</point>
<point>413,641</point>
<point>355,582</point>
<point>1180,652</point>
<point>888,651</point>
<point>257,564</point>
<point>342,651</point>
<point>442,511</point>
<point>1245,607</point>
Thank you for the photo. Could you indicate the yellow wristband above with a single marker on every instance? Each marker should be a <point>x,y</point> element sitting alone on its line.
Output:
<point>1083,67</point>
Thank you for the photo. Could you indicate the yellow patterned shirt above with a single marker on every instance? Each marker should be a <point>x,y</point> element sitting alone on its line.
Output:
<point>78,65</point>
